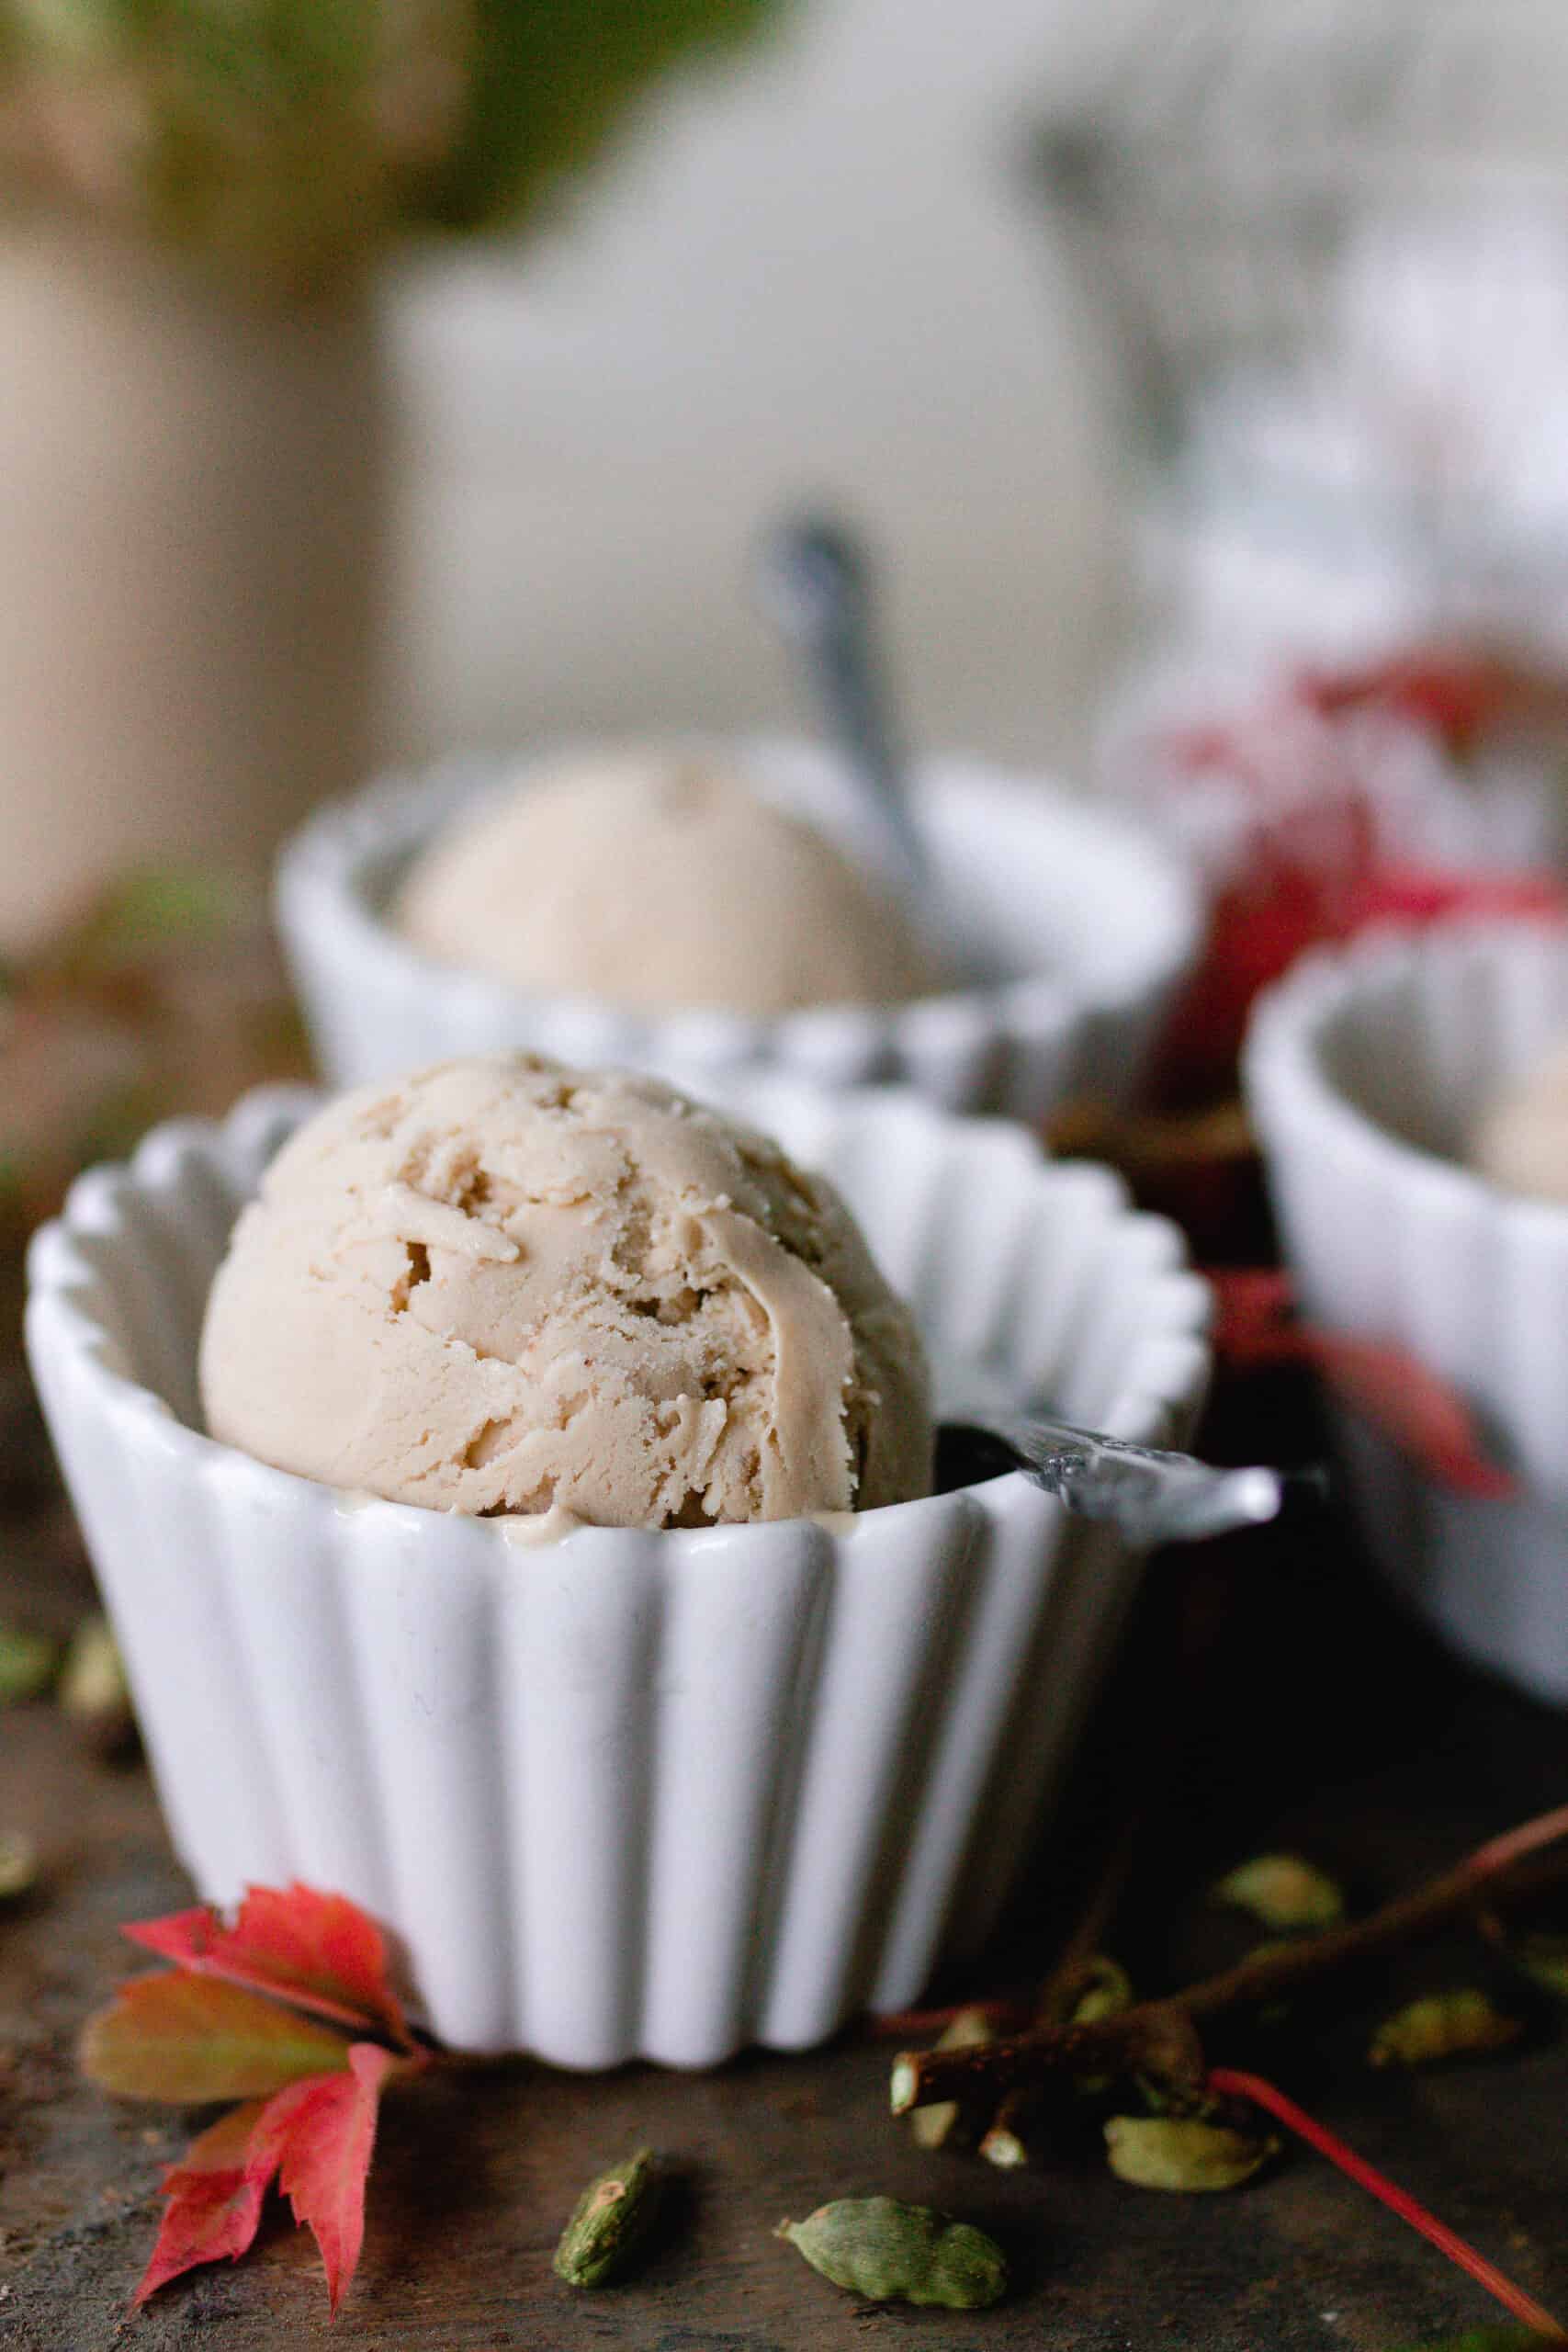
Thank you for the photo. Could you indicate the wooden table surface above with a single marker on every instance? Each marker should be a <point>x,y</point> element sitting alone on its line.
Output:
<point>1324,1723</point>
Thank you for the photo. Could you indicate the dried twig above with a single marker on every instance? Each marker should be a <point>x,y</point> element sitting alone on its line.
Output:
<point>1159,2037</point>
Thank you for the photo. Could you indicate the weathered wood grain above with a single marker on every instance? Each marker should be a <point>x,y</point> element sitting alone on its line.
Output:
<point>1328,1726</point>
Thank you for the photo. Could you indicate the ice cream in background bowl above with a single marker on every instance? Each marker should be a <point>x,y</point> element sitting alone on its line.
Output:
<point>1520,1142</point>
<point>1410,1096</point>
<point>661,882</point>
<point>653,1789</point>
<point>707,907</point>
<point>506,1286</point>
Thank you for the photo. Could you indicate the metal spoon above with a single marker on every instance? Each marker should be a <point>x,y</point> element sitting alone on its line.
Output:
<point>815,580</point>
<point>1152,1496</point>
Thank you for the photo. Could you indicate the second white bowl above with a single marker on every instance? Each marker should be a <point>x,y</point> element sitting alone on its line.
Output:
<point>1097,922</point>
<point>1366,1071</point>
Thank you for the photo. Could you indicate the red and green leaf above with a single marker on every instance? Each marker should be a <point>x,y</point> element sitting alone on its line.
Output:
<point>227,2022</point>
<point>190,2039</point>
<point>320,1952</point>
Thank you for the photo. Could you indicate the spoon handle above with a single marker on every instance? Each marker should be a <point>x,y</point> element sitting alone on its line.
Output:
<point>1152,1496</point>
<point>816,580</point>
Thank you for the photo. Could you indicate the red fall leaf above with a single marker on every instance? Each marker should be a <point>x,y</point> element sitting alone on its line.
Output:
<point>227,2023</point>
<point>1427,893</point>
<point>320,1952</point>
<point>1255,1325</point>
<point>319,2138</point>
<point>214,2210</point>
<point>1418,1411</point>
<point>1413,1407</point>
<point>1316,865</point>
<point>316,2138</point>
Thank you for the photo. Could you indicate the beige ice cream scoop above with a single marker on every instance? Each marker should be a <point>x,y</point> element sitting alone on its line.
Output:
<point>1521,1141</point>
<point>500,1286</point>
<point>659,884</point>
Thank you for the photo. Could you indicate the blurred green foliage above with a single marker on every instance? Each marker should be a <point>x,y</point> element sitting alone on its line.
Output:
<point>292,138</point>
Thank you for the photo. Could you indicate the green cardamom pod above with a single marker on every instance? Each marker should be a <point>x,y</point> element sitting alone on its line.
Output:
<point>92,1689</point>
<point>28,1662</point>
<point>1443,2025</point>
<point>18,1865</point>
<point>1283,1892</point>
<point>1182,2152</point>
<point>609,2223</point>
<point>890,2253</point>
<point>1544,1959</point>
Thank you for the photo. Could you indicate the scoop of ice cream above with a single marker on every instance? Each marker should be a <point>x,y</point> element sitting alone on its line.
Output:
<point>1521,1142</point>
<point>658,885</point>
<point>501,1285</point>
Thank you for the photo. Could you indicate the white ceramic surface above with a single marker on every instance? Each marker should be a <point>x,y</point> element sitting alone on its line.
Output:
<point>1098,921</point>
<point>624,1793</point>
<point>1366,1071</point>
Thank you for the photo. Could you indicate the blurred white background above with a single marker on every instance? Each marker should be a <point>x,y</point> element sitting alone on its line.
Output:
<point>820,271</point>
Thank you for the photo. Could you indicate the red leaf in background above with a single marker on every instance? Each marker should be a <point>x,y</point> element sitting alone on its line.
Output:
<point>1256,1330</point>
<point>1457,695</point>
<point>319,2138</point>
<point>187,2038</point>
<point>1255,1325</point>
<point>1420,1413</point>
<point>214,2210</point>
<point>318,1951</point>
<point>1315,861</point>
<point>1423,894</point>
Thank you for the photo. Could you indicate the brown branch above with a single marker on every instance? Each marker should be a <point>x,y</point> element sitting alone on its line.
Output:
<point>1157,2034</point>
<point>1006,2143</point>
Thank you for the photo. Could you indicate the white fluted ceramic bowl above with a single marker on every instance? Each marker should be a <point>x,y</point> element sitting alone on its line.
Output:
<point>625,1793</point>
<point>1366,1072</point>
<point>1097,920</point>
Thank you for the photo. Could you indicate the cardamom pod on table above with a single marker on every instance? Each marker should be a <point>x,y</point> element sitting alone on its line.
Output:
<point>1442,2025</point>
<point>609,2223</point>
<point>890,2253</point>
<point>1283,1892</point>
<point>1182,2152</point>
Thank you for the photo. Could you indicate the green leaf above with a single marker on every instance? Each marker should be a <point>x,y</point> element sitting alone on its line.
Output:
<point>189,2039</point>
<point>1283,1892</point>
<point>1182,2153</point>
<point>1442,2025</point>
